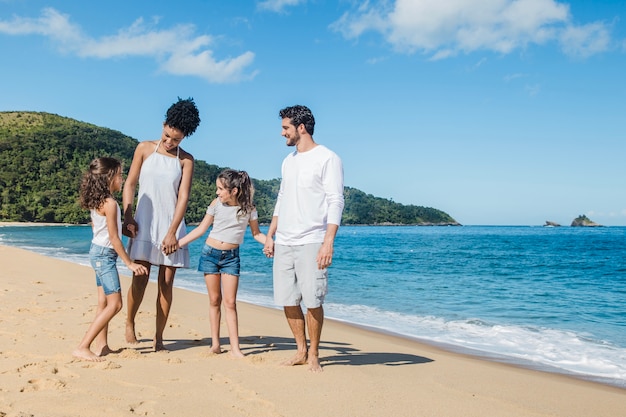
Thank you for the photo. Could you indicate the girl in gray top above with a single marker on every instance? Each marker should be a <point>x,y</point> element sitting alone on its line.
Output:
<point>230,213</point>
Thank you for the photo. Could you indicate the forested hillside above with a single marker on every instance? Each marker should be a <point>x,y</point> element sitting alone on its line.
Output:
<point>43,156</point>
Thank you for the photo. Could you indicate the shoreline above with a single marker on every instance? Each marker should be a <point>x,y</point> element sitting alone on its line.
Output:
<point>464,346</point>
<point>447,346</point>
<point>366,373</point>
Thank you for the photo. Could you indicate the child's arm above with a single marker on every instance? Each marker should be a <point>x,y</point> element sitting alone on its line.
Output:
<point>256,232</point>
<point>110,209</point>
<point>268,247</point>
<point>198,231</point>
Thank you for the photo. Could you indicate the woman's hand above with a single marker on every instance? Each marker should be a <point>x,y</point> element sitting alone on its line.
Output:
<point>130,228</point>
<point>169,244</point>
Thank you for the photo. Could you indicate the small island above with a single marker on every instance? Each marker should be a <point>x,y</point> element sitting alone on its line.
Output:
<point>584,221</point>
<point>551,224</point>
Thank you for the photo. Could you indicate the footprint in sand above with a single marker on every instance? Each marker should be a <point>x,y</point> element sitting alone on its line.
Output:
<point>129,354</point>
<point>44,367</point>
<point>42,384</point>
<point>109,365</point>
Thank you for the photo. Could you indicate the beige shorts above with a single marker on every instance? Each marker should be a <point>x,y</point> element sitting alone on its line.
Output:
<point>297,278</point>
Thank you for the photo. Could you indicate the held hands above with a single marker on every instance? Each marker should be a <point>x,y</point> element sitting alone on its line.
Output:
<point>130,228</point>
<point>268,248</point>
<point>169,244</point>
<point>170,248</point>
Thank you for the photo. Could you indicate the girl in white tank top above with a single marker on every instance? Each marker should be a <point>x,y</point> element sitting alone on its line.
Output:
<point>96,194</point>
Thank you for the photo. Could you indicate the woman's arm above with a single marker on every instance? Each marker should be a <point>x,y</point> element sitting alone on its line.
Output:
<point>170,243</point>
<point>129,226</point>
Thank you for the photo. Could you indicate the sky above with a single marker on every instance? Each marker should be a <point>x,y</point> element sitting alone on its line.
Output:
<point>497,112</point>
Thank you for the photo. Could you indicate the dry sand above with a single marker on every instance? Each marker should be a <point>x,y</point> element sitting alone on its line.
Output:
<point>46,306</point>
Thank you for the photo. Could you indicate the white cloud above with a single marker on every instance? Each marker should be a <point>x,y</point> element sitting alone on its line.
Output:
<point>583,41</point>
<point>178,50</point>
<point>442,29</point>
<point>277,5</point>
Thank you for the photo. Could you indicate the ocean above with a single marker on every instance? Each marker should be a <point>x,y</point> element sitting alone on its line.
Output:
<point>547,298</point>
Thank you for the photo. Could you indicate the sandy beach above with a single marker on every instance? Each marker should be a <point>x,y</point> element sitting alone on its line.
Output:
<point>47,304</point>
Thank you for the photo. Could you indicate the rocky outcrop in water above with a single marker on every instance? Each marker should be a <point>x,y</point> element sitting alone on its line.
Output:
<point>584,221</point>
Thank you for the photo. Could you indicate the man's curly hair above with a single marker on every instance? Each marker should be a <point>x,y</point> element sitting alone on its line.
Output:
<point>299,115</point>
<point>184,116</point>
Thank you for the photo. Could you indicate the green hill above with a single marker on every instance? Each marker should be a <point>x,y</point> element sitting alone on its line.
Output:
<point>43,156</point>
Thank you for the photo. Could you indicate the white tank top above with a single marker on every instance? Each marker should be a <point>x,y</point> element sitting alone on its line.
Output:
<point>100,230</point>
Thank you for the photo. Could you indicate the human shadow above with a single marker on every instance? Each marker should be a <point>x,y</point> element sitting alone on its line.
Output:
<point>171,345</point>
<point>374,358</point>
<point>332,353</point>
<point>340,353</point>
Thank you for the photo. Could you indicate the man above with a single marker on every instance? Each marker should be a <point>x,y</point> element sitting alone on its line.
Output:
<point>306,218</point>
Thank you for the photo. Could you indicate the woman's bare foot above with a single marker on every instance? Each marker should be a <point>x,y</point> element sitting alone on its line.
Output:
<point>130,334</point>
<point>298,359</point>
<point>86,355</point>
<point>159,346</point>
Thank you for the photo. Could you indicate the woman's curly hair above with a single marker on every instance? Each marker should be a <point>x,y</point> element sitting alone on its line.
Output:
<point>95,187</point>
<point>184,116</point>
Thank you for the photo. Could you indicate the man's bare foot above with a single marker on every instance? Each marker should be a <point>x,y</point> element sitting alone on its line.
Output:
<point>86,355</point>
<point>314,364</point>
<point>130,334</point>
<point>299,359</point>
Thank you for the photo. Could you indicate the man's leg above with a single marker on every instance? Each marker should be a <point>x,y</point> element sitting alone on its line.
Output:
<point>315,321</point>
<point>295,318</point>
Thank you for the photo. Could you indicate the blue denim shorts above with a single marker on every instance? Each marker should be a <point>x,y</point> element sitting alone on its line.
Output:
<point>104,262</point>
<point>217,261</point>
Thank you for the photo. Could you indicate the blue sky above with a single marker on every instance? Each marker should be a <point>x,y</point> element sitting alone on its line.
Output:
<point>497,112</point>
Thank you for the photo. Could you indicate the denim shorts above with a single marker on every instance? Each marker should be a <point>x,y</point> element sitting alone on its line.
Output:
<point>217,261</point>
<point>104,262</point>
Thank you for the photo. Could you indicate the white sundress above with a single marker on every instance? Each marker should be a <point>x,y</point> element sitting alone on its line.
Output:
<point>159,181</point>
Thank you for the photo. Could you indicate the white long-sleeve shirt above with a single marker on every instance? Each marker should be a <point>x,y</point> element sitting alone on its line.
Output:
<point>310,196</point>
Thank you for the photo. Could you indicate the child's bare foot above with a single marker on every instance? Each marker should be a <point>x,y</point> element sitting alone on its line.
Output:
<point>130,334</point>
<point>104,351</point>
<point>216,350</point>
<point>86,355</point>
<point>236,353</point>
<point>298,359</point>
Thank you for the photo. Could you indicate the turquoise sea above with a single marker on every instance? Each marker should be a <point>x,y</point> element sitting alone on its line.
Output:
<point>547,298</point>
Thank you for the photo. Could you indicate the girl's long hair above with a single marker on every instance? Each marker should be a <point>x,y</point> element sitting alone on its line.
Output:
<point>245,190</point>
<point>96,183</point>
